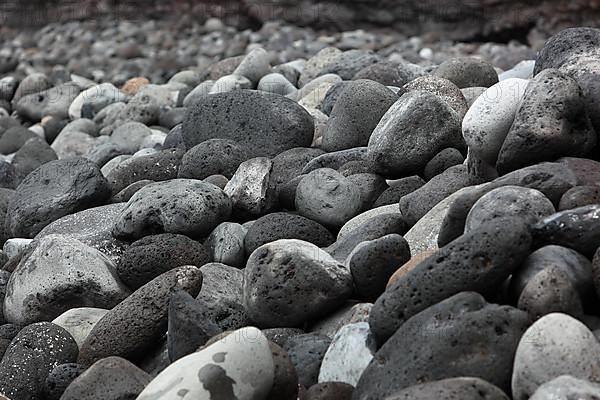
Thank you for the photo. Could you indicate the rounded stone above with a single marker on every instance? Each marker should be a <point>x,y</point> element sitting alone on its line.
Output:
<point>451,389</point>
<point>467,72</point>
<point>441,87</point>
<point>283,225</point>
<point>398,189</point>
<point>441,162</point>
<point>555,345</point>
<point>566,387</point>
<point>79,322</point>
<point>59,379</point>
<point>330,391</point>
<point>579,196</point>
<point>226,244</point>
<point>306,353</point>
<point>328,197</point>
<point>289,282</point>
<point>212,157</point>
<point>183,206</point>
<point>239,115</point>
<point>153,255</point>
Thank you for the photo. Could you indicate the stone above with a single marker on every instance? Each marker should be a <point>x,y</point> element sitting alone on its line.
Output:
<point>385,72</point>
<point>31,356</point>
<point>529,205</point>
<point>212,157</point>
<point>276,83</point>
<point>450,339</point>
<point>58,274</point>
<point>306,353</point>
<point>316,63</point>
<point>285,380</point>
<point>59,379</point>
<point>240,114</point>
<point>554,345</point>
<point>330,391</point>
<point>355,115</point>
<point>14,138</point>
<point>372,263</point>
<point>92,227</point>
<point>275,226</point>
<point>229,83</point>
<point>350,352</point>
<point>579,196</point>
<point>189,326</point>
<point>160,166</point>
<point>126,194</point>
<point>90,101</point>
<point>8,176</point>
<point>398,189</point>
<point>417,204</point>
<point>350,313</point>
<point>154,255</point>
<point>226,244</point>
<point>336,159</point>
<point>577,268</point>
<point>129,136</point>
<point>472,93</point>
<point>574,228</point>
<point>134,325</point>
<point>327,197</point>
<point>198,92</point>
<point>280,336</point>
<point>34,153</point>
<point>248,189</point>
<point>467,72</point>
<point>480,261</point>
<point>55,189</point>
<point>289,282</point>
<point>417,127</point>
<point>16,247</point>
<point>184,206</point>
<point>550,291</point>
<point>289,164</point>
<point>441,162</point>
<point>255,65</point>
<point>441,87</point>
<point>79,322</point>
<point>490,118</point>
<point>451,389</point>
<point>240,365</point>
<point>551,121</point>
<point>54,101</point>
<point>566,387</point>
<point>523,70</point>
<point>134,85</point>
<point>349,63</point>
<point>32,83</point>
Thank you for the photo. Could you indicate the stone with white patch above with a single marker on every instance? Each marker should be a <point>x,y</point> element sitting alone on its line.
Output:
<point>79,322</point>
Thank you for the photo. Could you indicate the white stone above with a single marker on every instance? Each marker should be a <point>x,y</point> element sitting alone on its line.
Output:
<point>555,345</point>
<point>567,387</point>
<point>239,365</point>
<point>59,274</point>
<point>15,247</point>
<point>79,322</point>
<point>361,219</point>
<point>348,355</point>
<point>70,143</point>
<point>523,70</point>
<point>229,83</point>
<point>276,83</point>
<point>489,119</point>
<point>248,189</point>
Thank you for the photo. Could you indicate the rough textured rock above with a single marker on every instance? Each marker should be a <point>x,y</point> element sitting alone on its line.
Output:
<point>249,188</point>
<point>555,345</point>
<point>184,206</point>
<point>31,356</point>
<point>134,325</point>
<point>111,378</point>
<point>567,387</point>
<point>471,330</point>
<point>226,244</point>
<point>56,189</point>
<point>495,251</point>
<point>240,114</point>
<point>306,352</point>
<point>467,72</point>
<point>330,391</point>
<point>289,282</point>
<point>212,157</point>
<point>60,378</point>
<point>451,389</point>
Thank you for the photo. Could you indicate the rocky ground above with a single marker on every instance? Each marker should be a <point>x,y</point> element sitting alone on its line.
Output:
<point>196,212</point>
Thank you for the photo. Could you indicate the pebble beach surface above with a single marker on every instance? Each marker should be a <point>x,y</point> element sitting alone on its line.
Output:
<point>195,212</point>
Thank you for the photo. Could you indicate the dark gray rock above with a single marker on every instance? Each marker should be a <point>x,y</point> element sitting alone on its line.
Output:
<point>60,378</point>
<point>212,157</point>
<point>282,225</point>
<point>479,261</point>
<point>385,72</point>
<point>189,325</point>
<point>135,325</point>
<point>327,197</point>
<point>451,389</point>
<point>288,165</point>
<point>56,189</point>
<point>103,153</point>
<point>336,159</point>
<point>226,244</point>
<point>290,282</point>
<point>14,138</point>
<point>126,194</point>
<point>185,206</point>
<point>54,101</point>
<point>399,189</point>
<point>285,380</point>
<point>280,336</point>
<point>551,122</point>
<point>355,115</point>
<point>332,96</point>
<point>576,229</point>
<point>453,338</point>
<point>441,87</point>
<point>33,154</point>
<point>5,197</point>
<point>417,127</point>
<point>111,378</point>
<point>442,161</point>
<point>330,391</point>
<point>467,72</point>
<point>370,186</point>
<point>152,256</point>
<point>8,176</point>
<point>31,356</point>
<point>579,196</point>
<point>349,63</point>
<point>373,262</point>
<point>306,353</point>
<point>158,167</point>
<point>174,139</point>
<point>239,115</point>
<point>415,205</point>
